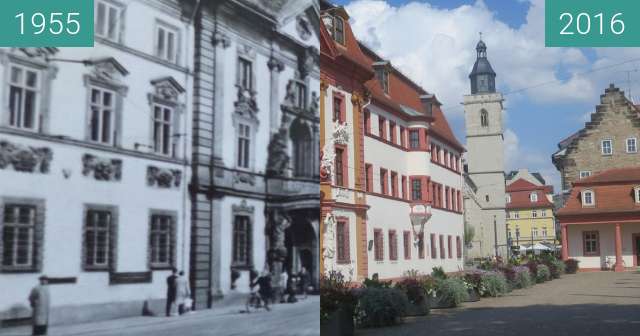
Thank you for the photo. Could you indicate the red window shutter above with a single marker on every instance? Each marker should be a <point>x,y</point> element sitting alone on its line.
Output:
<point>441,242</point>
<point>458,247</point>
<point>434,253</point>
<point>449,247</point>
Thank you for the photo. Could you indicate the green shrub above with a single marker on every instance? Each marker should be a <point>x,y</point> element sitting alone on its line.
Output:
<point>374,282</point>
<point>335,293</point>
<point>413,289</point>
<point>451,292</point>
<point>571,266</point>
<point>378,307</point>
<point>438,273</point>
<point>559,268</point>
<point>543,274</point>
<point>522,277</point>
<point>494,284</point>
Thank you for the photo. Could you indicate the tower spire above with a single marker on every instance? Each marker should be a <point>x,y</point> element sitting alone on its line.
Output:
<point>482,76</point>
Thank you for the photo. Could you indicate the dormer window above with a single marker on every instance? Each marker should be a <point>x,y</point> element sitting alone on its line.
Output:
<point>382,74</point>
<point>636,194</point>
<point>508,198</point>
<point>533,197</point>
<point>338,34</point>
<point>588,198</point>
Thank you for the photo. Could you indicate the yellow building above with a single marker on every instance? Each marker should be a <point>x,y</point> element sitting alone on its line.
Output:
<point>530,217</point>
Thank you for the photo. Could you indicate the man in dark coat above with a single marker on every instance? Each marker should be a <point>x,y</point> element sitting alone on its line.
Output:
<point>172,290</point>
<point>265,288</point>
<point>40,304</point>
<point>304,280</point>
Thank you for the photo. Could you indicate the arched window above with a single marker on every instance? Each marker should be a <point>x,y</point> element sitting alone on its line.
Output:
<point>484,118</point>
<point>302,150</point>
<point>588,198</point>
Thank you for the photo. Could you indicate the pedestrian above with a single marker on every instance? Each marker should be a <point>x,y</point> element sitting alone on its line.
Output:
<point>265,290</point>
<point>40,304</point>
<point>284,280</point>
<point>304,280</point>
<point>183,294</point>
<point>171,291</point>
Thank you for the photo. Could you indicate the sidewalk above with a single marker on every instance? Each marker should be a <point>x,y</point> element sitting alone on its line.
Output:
<point>148,324</point>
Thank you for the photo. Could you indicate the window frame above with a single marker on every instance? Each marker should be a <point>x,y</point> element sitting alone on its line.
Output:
<point>172,239</point>
<point>602,147</point>
<point>484,118</point>
<point>434,250</point>
<point>583,196</point>
<point>338,21</point>
<point>595,239</point>
<point>173,58</point>
<point>119,20</point>
<point>158,143</point>
<point>406,243</point>
<point>533,197</point>
<point>247,232</point>
<point>111,240</point>
<point>342,244</point>
<point>37,90</point>
<point>584,174</point>
<point>393,245</point>
<point>36,235</point>
<point>414,142</point>
<point>378,244</point>
<point>635,145</point>
<point>636,194</point>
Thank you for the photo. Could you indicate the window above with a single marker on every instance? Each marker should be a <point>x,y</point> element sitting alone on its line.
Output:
<point>534,232</point>
<point>102,123</point>
<point>416,190</point>
<point>449,247</point>
<point>484,118</point>
<point>24,96</point>
<point>392,132</point>
<point>508,198</point>
<point>591,243</point>
<point>441,243</point>
<point>434,254</point>
<point>588,198</point>
<point>585,173</point>
<point>406,239</point>
<point>459,246</point>
<point>162,134</point>
<point>543,213</point>
<point>367,122</point>
<point>342,242</point>
<point>486,198</point>
<point>421,243</point>
<point>244,142</point>
<point>383,181</point>
<point>107,21</point>
<point>533,197</point>
<point>394,184</point>
<point>516,215</point>
<point>300,98</point>
<point>368,177</point>
<point>99,239</point>
<point>404,187</point>
<point>338,34</point>
<point>161,241</point>
<point>382,74</point>
<point>534,213</point>
<point>382,124</point>
<point>339,169</point>
<point>632,146</point>
<point>544,231</point>
<point>242,241</point>
<point>19,243</point>
<point>607,147</point>
<point>414,139</point>
<point>403,135</point>
<point>636,194</point>
<point>245,73</point>
<point>447,198</point>
<point>378,242</point>
<point>303,154</point>
<point>393,245</point>
<point>517,231</point>
<point>337,109</point>
<point>167,43</point>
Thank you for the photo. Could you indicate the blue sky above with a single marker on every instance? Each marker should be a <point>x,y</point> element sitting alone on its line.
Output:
<point>433,43</point>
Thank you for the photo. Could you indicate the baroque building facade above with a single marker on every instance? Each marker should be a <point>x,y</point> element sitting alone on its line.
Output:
<point>256,131</point>
<point>388,147</point>
<point>484,194</point>
<point>94,165</point>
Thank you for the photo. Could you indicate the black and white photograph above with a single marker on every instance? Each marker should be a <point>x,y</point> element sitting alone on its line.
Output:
<point>166,180</point>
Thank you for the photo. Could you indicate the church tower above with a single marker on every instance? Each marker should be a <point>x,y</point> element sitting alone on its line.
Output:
<point>485,181</point>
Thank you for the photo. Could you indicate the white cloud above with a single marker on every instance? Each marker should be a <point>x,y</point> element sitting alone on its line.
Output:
<point>517,156</point>
<point>435,48</point>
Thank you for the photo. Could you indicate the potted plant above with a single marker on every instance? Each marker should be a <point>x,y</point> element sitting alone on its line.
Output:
<point>473,282</point>
<point>450,292</point>
<point>417,296</point>
<point>571,266</point>
<point>379,307</point>
<point>337,305</point>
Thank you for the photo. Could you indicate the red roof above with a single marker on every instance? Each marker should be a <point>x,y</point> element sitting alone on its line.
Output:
<point>613,193</point>
<point>520,192</point>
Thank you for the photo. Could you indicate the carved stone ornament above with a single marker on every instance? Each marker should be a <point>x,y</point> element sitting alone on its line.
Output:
<point>290,96</point>
<point>314,106</point>
<point>108,69</point>
<point>275,64</point>
<point>221,39</point>
<point>102,169</point>
<point>242,208</point>
<point>340,133</point>
<point>327,155</point>
<point>23,158</point>
<point>244,178</point>
<point>279,222</point>
<point>246,105</point>
<point>308,60</point>
<point>167,88</point>
<point>328,244</point>
<point>303,27</point>
<point>163,177</point>
<point>278,157</point>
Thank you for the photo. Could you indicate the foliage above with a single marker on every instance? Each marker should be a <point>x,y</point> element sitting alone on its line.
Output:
<point>429,285</point>
<point>469,234</point>
<point>509,273</point>
<point>559,268</point>
<point>522,277</point>
<point>451,291</point>
<point>380,306</point>
<point>374,282</point>
<point>335,293</point>
<point>438,273</point>
<point>413,289</point>
<point>533,267</point>
<point>543,274</point>
<point>493,284</point>
<point>488,264</point>
<point>571,266</point>
<point>412,273</point>
<point>474,278</point>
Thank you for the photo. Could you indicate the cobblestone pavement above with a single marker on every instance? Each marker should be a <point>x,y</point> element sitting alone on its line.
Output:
<point>598,303</point>
<point>299,319</point>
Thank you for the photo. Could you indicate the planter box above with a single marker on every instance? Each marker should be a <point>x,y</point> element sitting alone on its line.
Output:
<point>473,295</point>
<point>419,309</point>
<point>436,303</point>
<point>339,323</point>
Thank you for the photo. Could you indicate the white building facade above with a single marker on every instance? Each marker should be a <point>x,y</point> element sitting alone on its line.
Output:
<point>94,165</point>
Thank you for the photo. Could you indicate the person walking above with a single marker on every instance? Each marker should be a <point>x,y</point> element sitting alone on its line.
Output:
<point>265,289</point>
<point>40,304</point>
<point>183,293</point>
<point>171,291</point>
<point>284,280</point>
<point>304,280</point>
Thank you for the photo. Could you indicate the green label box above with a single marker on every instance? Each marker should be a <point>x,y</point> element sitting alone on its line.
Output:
<point>592,23</point>
<point>46,23</point>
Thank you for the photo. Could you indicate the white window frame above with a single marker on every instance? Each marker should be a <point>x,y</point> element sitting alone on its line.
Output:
<point>533,197</point>
<point>103,31</point>
<point>636,194</point>
<point>585,174</point>
<point>113,108</point>
<point>23,87</point>
<point>166,54</point>
<point>584,198</point>
<point>508,198</point>
<point>158,139</point>
<point>534,232</point>
<point>545,232</point>
<point>543,213</point>
<point>516,215</point>
<point>244,154</point>
<point>602,147</point>
<point>635,145</point>
<point>534,213</point>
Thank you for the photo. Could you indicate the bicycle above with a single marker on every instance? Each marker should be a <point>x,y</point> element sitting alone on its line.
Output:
<point>255,302</point>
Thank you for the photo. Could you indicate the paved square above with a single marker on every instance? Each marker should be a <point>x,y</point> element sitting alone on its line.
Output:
<point>598,303</point>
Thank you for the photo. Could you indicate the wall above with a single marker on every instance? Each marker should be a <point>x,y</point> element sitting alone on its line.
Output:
<point>607,244</point>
